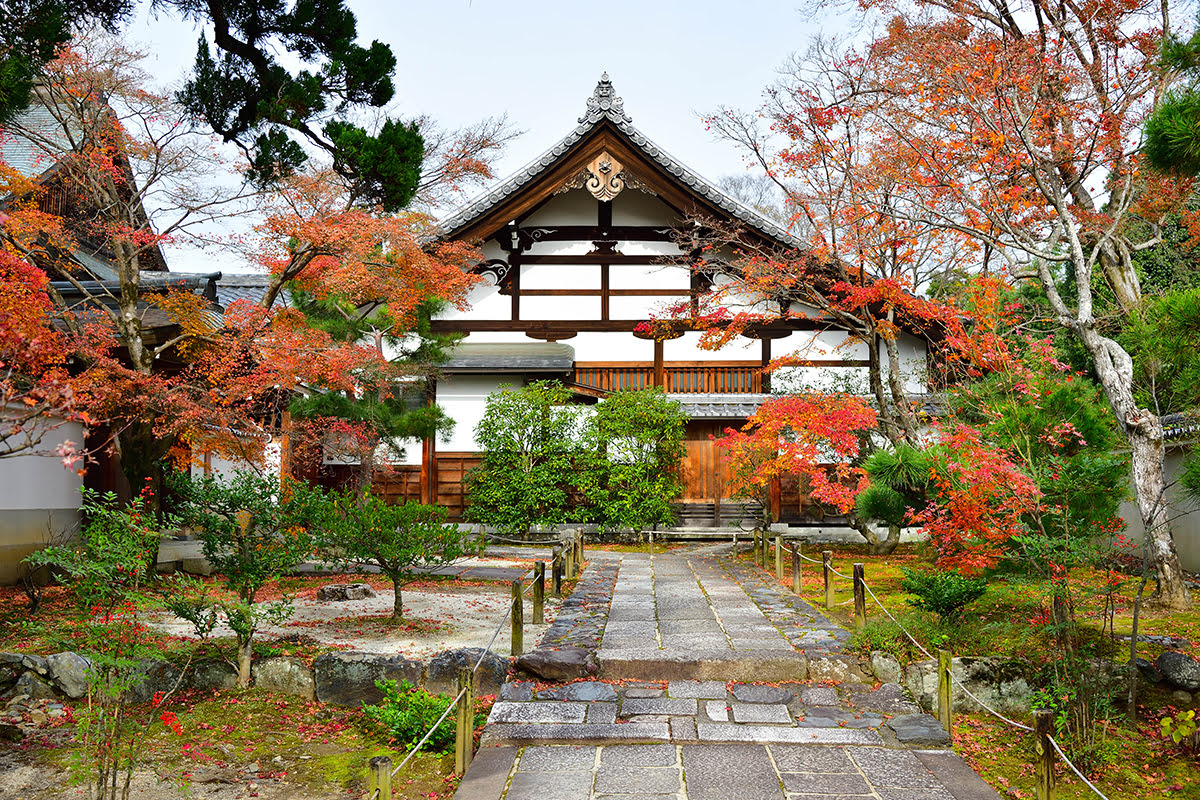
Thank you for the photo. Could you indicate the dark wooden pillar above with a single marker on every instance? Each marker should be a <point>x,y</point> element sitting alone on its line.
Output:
<point>766,359</point>
<point>429,471</point>
<point>659,371</point>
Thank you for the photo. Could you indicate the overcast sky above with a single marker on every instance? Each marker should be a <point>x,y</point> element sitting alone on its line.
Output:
<point>539,60</point>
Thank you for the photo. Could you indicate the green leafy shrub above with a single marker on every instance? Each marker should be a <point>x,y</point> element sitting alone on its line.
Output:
<point>407,713</point>
<point>109,560</point>
<point>943,593</point>
<point>883,634</point>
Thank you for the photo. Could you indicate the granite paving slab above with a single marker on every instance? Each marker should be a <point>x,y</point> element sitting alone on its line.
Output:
<point>696,639</point>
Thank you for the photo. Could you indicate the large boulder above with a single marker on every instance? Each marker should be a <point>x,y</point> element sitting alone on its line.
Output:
<point>444,667</point>
<point>559,665</point>
<point>348,679</point>
<point>153,677</point>
<point>210,676</point>
<point>11,669</point>
<point>1001,683</point>
<point>340,592</point>
<point>885,666</point>
<point>285,674</point>
<point>34,687</point>
<point>69,672</point>
<point>1179,670</point>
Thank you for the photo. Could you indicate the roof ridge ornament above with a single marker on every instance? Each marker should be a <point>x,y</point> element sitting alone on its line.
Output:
<point>605,103</point>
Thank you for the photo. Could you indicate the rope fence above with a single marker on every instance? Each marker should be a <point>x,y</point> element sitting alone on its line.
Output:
<point>1045,745</point>
<point>567,559</point>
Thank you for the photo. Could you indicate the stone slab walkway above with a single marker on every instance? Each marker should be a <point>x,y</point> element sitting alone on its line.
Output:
<point>715,682</point>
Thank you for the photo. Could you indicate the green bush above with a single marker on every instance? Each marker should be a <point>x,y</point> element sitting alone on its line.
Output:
<point>407,713</point>
<point>944,593</point>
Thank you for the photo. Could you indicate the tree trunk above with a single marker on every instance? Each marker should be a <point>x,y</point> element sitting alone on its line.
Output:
<point>875,545</point>
<point>397,602</point>
<point>244,655</point>
<point>1144,433</point>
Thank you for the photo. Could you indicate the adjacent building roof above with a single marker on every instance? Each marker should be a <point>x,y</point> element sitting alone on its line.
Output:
<point>720,406</point>
<point>550,357</point>
<point>605,107</point>
<point>246,286</point>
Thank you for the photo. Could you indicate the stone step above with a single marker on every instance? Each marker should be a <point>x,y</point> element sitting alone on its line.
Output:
<point>725,665</point>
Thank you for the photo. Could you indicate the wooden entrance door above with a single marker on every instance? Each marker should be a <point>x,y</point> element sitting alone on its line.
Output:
<point>705,471</point>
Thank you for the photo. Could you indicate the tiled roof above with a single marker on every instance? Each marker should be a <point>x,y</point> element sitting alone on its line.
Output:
<point>517,357</point>
<point>246,286</point>
<point>602,106</point>
<point>1178,426</point>
<point>720,406</point>
<point>22,153</point>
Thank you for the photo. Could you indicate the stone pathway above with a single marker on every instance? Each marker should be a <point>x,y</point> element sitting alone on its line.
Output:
<point>714,682</point>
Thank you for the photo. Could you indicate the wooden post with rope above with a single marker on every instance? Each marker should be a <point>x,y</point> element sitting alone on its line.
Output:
<point>1044,753</point>
<point>860,597</point>
<point>464,735</point>
<point>518,619</point>
<point>539,592</point>
<point>945,703</point>
<point>827,568</point>
<point>797,582</point>
<point>379,778</point>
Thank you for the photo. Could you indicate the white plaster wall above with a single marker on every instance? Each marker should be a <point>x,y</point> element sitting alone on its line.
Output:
<point>611,347</point>
<point>560,276</point>
<point>568,308</point>
<point>39,501</point>
<point>641,308</point>
<point>912,363</point>
<point>542,248</point>
<point>486,302</point>
<point>651,249</point>
<point>649,276</point>
<point>463,398</point>
<point>1185,517</point>
<point>804,380</point>
<point>632,207</point>
<point>575,207</point>
<point>687,348</point>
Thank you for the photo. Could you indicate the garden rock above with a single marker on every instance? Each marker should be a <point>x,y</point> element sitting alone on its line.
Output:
<point>922,730</point>
<point>157,676</point>
<point>10,733</point>
<point>34,687</point>
<point>348,679</point>
<point>69,672</point>
<point>559,665</point>
<point>998,682</point>
<point>340,592</point>
<point>1148,670</point>
<point>828,670</point>
<point>286,674</point>
<point>212,676</point>
<point>11,669</point>
<point>1179,670</point>
<point>444,667</point>
<point>1182,697</point>
<point>885,666</point>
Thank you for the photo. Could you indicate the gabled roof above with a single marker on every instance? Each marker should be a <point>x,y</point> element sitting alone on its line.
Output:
<point>605,109</point>
<point>491,357</point>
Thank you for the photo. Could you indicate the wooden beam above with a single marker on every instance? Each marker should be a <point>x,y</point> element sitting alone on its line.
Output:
<point>587,233</point>
<point>604,258</point>
<point>595,326</point>
<point>604,293</point>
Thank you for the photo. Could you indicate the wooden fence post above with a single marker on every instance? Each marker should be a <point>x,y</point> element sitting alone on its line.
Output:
<point>579,545</point>
<point>569,558</point>
<point>539,592</point>
<point>464,739</point>
<point>860,598</point>
<point>827,566</point>
<point>518,620</point>
<point>379,778</point>
<point>1044,752</point>
<point>556,571</point>
<point>797,582</point>
<point>754,549</point>
<point>779,558</point>
<point>945,703</point>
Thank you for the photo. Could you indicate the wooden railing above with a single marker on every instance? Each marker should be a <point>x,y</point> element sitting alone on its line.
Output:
<point>736,377</point>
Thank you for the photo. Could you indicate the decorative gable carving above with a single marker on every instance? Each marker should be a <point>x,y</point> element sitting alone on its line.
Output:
<point>604,177</point>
